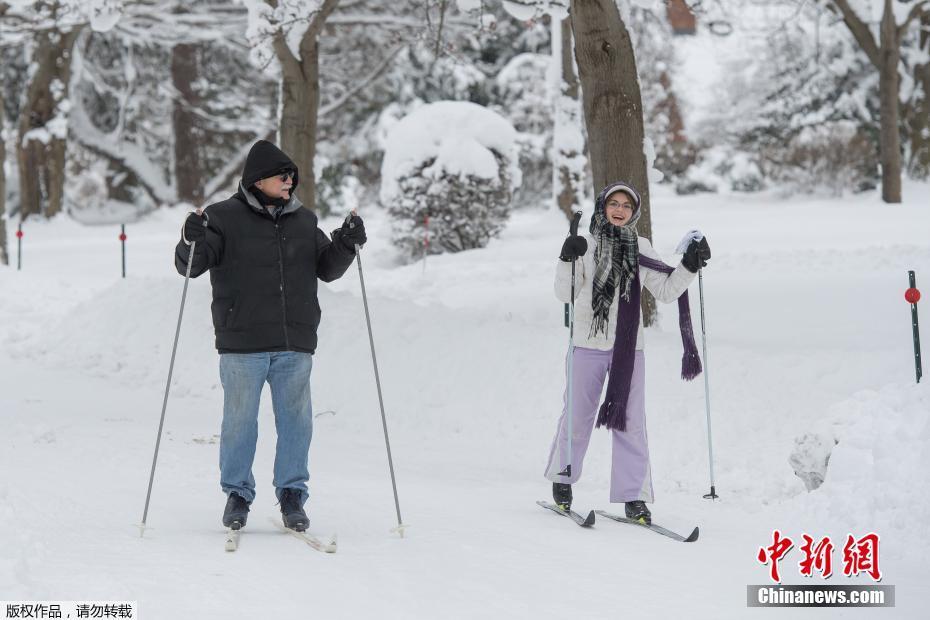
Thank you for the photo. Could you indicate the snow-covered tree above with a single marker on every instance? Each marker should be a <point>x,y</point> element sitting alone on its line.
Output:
<point>895,20</point>
<point>450,169</point>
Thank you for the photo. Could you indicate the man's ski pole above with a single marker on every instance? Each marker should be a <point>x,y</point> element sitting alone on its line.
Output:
<point>374,360</point>
<point>710,444</point>
<point>573,230</point>
<point>164,405</point>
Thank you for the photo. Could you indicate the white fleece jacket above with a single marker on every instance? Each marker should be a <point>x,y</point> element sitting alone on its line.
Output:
<point>665,288</point>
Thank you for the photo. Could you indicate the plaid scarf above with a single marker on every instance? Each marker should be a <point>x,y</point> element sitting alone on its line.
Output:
<point>615,267</point>
<point>615,256</point>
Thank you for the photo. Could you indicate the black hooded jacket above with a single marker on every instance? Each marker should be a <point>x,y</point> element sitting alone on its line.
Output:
<point>264,269</point>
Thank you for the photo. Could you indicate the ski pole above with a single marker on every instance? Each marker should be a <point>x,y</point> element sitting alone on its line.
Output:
<point>573,230</point>
<point>164,405</point>
<point>710,444</point>
<point>374,360</point>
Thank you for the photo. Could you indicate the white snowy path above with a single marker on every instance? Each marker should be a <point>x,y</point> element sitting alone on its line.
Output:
<point>806,319</point>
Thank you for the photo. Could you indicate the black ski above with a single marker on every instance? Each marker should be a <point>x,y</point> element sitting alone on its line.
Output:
<point>658,529</point>
<point>571,514</point>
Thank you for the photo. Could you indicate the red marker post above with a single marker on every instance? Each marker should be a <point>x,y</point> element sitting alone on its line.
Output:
<point>19,246</point>
<point>122,240</point>
<point>425,240</point>
<point>912,296</point>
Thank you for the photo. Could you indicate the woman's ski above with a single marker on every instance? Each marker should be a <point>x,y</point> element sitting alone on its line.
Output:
<point>571,514</point>
<point>658,529</point>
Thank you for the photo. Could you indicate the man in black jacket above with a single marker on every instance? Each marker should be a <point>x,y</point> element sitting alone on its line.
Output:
<point>264,253</point>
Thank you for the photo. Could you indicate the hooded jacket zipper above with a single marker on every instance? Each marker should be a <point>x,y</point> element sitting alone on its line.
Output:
<point>277,234</point>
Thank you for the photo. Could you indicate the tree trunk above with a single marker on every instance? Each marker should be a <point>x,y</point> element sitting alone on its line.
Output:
<point>4,256</point>
<point>300,101</point>
<point>613,107</point>
<point>570,156</point>
<point>888,85</point>
<point>919,125</point>
<point>41,155</point>
<point>188,135</point>
<point>300,98</point>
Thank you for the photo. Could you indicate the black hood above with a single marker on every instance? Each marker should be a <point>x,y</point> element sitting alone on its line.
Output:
<point>265,160</point>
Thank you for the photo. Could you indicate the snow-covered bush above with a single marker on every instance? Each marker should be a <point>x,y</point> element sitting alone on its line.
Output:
<point>452,162</point>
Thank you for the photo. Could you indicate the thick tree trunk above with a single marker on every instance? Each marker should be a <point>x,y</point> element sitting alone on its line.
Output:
<point>888,81</point>
<point>613,107</point>
<point>570,156</point>
<point>41,155</point>
<point>300,101</point>
<point>188,135</point>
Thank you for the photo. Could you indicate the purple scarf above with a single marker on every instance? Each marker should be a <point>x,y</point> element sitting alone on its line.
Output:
<point>612,413</point>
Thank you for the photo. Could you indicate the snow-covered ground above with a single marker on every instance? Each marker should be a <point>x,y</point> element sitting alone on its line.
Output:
<point>808,333</point>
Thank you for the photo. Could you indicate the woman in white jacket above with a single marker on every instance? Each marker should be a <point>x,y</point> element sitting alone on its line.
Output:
<point>609,344</point>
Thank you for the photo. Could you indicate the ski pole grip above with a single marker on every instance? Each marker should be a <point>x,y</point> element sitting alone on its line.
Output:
<point>576,218</point>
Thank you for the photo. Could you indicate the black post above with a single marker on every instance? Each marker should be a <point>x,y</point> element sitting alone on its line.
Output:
<point>913,283</point>
<point>122,240</point>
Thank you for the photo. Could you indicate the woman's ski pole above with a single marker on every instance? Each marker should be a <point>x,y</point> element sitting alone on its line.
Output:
<point>573,230</point>
<point>710,442</point>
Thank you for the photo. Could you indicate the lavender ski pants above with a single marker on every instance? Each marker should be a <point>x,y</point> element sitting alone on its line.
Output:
<point>630,474</point>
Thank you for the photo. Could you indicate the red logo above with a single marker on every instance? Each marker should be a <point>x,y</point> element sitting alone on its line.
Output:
<point>772,554</point>
<point>859,556</point>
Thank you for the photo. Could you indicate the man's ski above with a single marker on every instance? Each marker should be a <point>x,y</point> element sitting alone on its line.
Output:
<point>571,514</point>
<point>311,541</point>
<point>658,529</point>
<point>232,539</point>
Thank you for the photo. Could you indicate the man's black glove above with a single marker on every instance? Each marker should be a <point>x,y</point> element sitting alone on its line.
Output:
<point>352,233</point>
<point>697,255</point>
<point>195,229</point>
<point>574,247</point>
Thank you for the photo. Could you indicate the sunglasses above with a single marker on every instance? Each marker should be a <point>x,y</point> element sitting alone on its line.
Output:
<point>284,176</point>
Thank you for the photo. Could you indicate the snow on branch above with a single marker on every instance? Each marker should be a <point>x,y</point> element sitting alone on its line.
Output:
<point>278,26</point>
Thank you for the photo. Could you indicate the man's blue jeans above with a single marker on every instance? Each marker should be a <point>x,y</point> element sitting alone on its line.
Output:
<point>243,375</point>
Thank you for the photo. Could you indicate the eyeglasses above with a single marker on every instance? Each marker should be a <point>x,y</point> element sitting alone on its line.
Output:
<point>619,205</point>
<point>284,176</point>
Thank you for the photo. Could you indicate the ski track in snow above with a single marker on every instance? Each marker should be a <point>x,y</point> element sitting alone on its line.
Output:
<point>807,327</point>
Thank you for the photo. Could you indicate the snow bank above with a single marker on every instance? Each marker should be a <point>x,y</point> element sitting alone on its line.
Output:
<point>879,469</point>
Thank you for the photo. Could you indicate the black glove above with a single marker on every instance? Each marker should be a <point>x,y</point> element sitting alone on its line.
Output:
<point>195,229</point>
<point>574,247</point>
<point>697,255</point>
<point>352,233</point>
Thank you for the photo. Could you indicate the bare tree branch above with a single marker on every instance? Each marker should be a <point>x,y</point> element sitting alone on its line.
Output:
<point>860,31</point>
<point>360,84</point>
<point>916,11</point>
